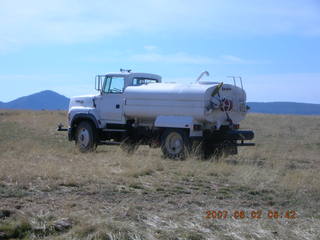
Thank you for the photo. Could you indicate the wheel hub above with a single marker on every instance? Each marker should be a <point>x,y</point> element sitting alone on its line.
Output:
<point>174,143</point>
<point>84,137</point>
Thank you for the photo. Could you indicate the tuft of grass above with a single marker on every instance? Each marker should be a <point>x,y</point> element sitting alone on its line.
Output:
<point>12,191</point>
<point>136,186</point>
<point>15,229</point>
<point>107,231</point>
<point>141,172</point>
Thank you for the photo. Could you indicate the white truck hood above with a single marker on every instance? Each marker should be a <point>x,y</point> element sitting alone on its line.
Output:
<point>85,101</point>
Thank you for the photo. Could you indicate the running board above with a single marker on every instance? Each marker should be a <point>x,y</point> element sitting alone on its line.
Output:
<point>109,143</point>
<point>245,144</point>
<point>113,130</point>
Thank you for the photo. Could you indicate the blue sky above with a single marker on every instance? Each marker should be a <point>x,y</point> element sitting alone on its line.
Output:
<point>61,45</point>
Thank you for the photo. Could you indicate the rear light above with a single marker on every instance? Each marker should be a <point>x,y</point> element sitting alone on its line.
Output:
<point>197,127</point>
<point>236,126</point>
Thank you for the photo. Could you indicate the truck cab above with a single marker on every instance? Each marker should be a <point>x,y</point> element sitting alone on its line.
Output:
<point>107,106</point>
<point>111,86</point>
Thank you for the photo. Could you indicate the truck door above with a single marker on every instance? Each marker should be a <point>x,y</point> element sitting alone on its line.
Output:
<point>111,101</point>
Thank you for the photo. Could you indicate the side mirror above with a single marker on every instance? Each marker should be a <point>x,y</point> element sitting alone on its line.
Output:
<point>98,83</point>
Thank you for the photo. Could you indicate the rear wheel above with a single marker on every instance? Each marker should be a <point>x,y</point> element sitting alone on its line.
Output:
<point>85,137</point>
<point>175,144</point>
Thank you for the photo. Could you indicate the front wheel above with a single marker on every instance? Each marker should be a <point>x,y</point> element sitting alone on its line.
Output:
<point>175,144</point>
<point>85,137</point>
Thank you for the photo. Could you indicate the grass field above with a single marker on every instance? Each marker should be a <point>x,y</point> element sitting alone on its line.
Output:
<point>111,195</point>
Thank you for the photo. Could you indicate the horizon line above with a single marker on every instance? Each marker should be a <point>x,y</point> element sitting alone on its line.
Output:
<point>253,101</point>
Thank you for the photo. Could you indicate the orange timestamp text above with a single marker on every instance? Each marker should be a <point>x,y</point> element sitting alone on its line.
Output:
<point>251,214</point>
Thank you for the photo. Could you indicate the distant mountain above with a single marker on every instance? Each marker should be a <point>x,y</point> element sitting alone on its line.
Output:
<point>285,108</point>
<point>50,100</point>
<point>45,100</point>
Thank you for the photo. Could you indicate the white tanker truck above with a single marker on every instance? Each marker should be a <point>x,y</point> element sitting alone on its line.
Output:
<point>137,108</point>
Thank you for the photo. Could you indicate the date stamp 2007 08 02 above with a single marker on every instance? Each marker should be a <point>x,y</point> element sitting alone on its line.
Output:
<point>251,214</point>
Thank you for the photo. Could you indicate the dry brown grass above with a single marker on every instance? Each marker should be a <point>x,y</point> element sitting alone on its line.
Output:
<point>111,195</point>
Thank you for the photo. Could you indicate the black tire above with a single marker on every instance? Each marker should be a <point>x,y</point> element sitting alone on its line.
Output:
<point>85,137</point>
<point>175,144</point>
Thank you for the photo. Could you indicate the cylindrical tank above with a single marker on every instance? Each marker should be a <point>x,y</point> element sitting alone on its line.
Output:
<point>168,99</point>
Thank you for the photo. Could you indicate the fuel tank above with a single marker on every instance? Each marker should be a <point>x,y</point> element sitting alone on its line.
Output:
<point>197,100</point>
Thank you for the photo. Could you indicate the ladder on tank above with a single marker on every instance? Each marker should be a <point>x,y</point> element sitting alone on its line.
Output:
<point>234,80</point>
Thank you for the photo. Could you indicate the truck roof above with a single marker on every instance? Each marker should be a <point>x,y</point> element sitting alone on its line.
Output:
<point>136,75</point>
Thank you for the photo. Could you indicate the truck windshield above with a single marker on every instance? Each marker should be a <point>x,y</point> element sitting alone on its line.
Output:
<point>141,81</point>
<point>113,85</point>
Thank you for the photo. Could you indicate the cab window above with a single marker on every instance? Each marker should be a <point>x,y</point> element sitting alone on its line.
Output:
<point>141,81</point>
<point>113,85</point>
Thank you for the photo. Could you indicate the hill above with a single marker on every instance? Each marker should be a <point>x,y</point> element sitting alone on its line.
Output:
<point>285,108</point>
<point>45,100</point>
<point>50,100</point>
